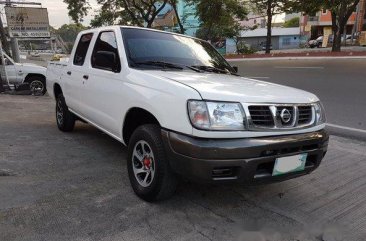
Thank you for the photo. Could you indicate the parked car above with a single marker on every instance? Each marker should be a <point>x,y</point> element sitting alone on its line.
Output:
<point>319,41</point>
<point>182,110</point>
<point>31,74</point>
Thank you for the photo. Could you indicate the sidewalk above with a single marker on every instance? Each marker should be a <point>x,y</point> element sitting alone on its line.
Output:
<point>347,52</point>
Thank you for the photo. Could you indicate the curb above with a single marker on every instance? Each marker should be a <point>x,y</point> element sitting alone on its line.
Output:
<point>298,58</point>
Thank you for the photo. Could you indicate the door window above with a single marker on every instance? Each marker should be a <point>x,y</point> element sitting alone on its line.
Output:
<point>82,49</point>
<point>105,54</point>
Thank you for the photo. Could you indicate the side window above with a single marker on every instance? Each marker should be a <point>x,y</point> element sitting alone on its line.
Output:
<point>82,49</point>
<point>105,54</point>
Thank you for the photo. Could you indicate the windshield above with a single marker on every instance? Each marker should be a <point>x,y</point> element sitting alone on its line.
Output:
<point>144,46</point>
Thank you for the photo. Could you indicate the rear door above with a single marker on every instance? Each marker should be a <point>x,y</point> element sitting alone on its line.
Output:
<point>103,87</point>
<point>72,76</point>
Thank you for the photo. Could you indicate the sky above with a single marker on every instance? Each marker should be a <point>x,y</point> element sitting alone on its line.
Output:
<point>57,12</point>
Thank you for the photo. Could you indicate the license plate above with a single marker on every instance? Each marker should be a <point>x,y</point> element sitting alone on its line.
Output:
<point>289,164</point>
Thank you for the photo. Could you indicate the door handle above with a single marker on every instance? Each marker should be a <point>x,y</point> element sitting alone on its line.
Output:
<point>69,72</point>
<point>86,77</point>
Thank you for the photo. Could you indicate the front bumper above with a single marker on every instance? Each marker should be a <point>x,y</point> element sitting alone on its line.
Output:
<point>246,160</point>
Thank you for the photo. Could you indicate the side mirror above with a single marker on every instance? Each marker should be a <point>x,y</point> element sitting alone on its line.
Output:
<point>236,69</point>
<point>106,60</point>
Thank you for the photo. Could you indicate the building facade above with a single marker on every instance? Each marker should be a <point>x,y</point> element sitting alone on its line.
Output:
<point>282,38</point>
<point>321,23</point>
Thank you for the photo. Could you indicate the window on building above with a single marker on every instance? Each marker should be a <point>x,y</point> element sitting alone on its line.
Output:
<point>286,41</point>
<point>82,49</point>
<point>325,11</point>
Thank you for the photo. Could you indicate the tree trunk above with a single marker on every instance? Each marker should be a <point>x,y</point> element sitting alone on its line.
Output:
<point>269,27</point>
<point>181,27</point>
<point>149,24</point>
<point>339,23</point>
<point>337,35</point>
<point>337,42</point>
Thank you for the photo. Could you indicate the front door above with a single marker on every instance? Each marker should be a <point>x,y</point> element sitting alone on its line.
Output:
<point>103,84</point>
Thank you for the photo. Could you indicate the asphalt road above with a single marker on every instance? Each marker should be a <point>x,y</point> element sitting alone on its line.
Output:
<point>74,186</point>
<point>339,83</point>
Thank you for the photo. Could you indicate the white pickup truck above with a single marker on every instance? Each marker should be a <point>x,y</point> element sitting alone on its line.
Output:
<point>31,74</point>
<point>182,110</point>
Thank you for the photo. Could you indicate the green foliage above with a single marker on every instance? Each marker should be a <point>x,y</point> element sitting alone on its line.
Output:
<point>134,12</point>
<point>78,9</point>
<point>243,48</point>
<point>68,32</point>
<point>276,7</point>
<point>112,12</point>
<point>218,17</point>
<point>294,22</point>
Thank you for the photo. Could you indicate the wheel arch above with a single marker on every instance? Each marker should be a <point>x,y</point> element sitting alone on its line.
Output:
<point>134,118</point>
<point>29,76</point>
<point>57,90</point>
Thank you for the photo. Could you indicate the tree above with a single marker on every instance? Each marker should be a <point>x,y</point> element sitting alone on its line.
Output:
<point>292,23</point>
<point>269,8</point>
<point>69,32</point>
<point>175,8</point>
<point>78,9</point>
<point>218,17</point>
<point>341,11</point>
<point>112,12</point>
<point>138,11</point>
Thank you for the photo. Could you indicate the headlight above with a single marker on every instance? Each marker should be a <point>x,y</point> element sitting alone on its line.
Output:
<point>319,114</point>
<point>216,115</point>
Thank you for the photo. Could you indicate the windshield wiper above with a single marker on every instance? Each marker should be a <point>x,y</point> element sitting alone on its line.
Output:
<point>169,65</point>
<point>164,65</point>
<point>214,69</point>
<point>211,69</point>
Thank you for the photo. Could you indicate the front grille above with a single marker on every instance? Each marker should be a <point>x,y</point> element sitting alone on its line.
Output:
<point>305,114</point>
<point>261,116</point>
<point>279,116</point>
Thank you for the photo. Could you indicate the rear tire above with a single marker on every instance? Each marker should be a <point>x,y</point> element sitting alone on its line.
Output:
<point>148,168</point>
<point>64,118</point>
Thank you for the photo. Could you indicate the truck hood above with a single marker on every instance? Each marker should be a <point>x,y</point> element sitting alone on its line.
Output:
<point>32,68</point>
<point>222,87</point>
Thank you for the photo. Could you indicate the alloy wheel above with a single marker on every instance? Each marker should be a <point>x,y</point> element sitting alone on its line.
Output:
<point>143,163</point>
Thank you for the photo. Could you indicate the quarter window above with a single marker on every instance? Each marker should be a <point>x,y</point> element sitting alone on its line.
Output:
<point>82,49</point>
<point>105,54</point>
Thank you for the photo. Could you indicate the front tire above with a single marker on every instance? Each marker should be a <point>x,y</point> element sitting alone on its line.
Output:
<point>64,118</point>
<point>148,168</point>
<point>37,85</point>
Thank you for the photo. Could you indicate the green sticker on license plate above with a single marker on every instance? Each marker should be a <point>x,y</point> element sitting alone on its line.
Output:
<point>284,165</point>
